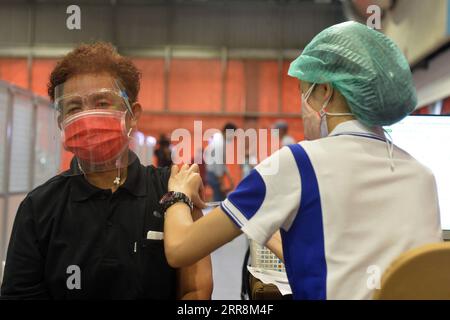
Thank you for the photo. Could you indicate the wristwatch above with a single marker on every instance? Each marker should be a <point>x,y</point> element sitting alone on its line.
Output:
<point>172,197</point>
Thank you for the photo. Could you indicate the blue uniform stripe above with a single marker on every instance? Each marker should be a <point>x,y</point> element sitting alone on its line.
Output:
<point>362,135</point>
<point>303,244</point>
<point>249,194</point>
<point>231,215</point>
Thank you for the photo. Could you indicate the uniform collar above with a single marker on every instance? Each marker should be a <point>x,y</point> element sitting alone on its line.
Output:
<point>354,126</point>
<point>135,183</point>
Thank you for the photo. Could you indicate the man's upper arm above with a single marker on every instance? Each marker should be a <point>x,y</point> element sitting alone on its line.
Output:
<point>24,269</point>
<point>195,282</point>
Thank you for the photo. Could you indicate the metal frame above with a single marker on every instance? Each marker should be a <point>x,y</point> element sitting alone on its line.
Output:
<point>183,52</point>
<point>166,52</point>
<point>33,145</point>
<point>280,83</point>
<point>167,65</point>
<point>222,114</point>
<point>224,77</point>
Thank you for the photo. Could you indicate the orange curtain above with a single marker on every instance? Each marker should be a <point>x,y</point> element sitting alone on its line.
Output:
<point>151,95</point>
<point>40,73</point>
<point>195,85</point>
<point>14,71</point>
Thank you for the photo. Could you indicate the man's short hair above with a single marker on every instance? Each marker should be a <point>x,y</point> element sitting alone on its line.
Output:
<point>99,57</point>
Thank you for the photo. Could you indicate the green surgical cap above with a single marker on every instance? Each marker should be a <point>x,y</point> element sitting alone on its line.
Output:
<point>365,66</point>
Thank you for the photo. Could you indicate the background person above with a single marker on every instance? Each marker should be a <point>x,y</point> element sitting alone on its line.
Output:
<point>216,167</point>
<point>164,152</point>
<point>283,128</point>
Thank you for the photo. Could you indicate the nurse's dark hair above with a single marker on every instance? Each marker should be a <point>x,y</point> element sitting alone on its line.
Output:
<point>99,57</point>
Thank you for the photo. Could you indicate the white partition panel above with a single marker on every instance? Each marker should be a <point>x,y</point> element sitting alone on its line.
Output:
<point>28,153</point>
<point>21,150</point>
<point>47,145</point>
<point>4,100</point>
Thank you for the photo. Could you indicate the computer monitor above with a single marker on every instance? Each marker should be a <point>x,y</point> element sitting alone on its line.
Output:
<point>427,138</point>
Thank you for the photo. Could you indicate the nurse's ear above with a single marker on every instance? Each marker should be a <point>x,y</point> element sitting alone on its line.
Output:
<point>322,92</point>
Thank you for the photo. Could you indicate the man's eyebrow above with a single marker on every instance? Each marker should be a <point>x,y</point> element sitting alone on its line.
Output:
<point>73,98</point>
<point>99,94</point>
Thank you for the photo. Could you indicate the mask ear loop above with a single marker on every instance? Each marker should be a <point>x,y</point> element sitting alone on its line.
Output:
<point>123,94</point>
<point>79,167</point>
<point>390,147</point>
<point>323,111</point>
<point>309,92</point>
<point>118,179</point>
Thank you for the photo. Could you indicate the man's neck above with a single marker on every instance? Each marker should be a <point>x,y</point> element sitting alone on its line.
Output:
<point>109,179</point>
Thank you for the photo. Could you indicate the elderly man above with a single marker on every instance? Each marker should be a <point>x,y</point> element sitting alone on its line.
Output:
<point>96,230</point>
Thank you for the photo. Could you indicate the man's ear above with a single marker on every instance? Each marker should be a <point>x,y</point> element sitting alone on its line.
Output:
<point>59,120</point>
<point>137,111</point>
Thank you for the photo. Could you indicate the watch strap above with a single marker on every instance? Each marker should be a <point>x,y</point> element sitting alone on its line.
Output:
<point>173,197</point>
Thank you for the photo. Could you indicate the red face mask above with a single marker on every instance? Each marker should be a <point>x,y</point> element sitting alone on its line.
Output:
<point>96,136</point>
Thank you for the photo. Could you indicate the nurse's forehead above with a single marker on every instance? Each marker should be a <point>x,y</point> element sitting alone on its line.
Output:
<point>88,83</point>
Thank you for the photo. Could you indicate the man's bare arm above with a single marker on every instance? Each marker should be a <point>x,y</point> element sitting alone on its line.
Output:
<point>195,282</point>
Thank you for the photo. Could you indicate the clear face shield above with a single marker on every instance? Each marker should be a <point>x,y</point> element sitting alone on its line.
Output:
<point>96,122</point>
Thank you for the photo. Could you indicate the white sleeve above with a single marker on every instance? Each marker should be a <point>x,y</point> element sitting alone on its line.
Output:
<point>287,140</point>
<point>268,198</point>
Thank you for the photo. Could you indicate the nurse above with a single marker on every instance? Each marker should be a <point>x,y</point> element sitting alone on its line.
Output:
<point>347,201</point>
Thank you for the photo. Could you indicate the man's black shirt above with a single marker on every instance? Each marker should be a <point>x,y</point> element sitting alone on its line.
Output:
<point>68,227</point>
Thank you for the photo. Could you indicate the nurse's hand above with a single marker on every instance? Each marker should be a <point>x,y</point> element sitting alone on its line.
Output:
<point>188,181</point>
